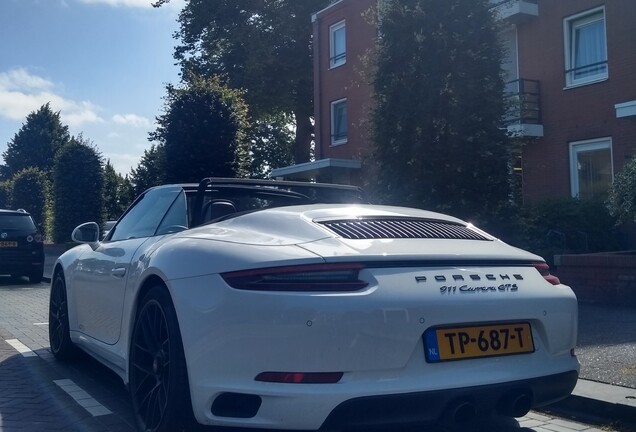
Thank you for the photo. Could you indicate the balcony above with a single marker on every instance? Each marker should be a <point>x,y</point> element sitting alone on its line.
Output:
<point>515,11</point>
<point>523,115</point>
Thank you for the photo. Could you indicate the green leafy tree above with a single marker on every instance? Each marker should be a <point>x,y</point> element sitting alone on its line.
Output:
<point>271,145</point>
<point>37,142</point>
<point>114,203</point>
<point>438,136</point>
<point>126,193</point>
<point>261,46</point>
<point>31,192</point>
<point>621,201</point>
<point>5,194</point>
<point>150,171</point>
<point>78,187</point>
<point>203,131</point>
<point>5,173</point>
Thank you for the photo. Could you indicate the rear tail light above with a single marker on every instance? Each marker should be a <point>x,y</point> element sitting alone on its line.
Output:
<point>316,277</point>
<point>544,269</point>
<point>300,377</point>
<point>36,237</point>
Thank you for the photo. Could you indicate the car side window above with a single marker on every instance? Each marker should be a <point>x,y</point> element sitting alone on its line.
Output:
<point>176,218</point>
<point>143,219</point>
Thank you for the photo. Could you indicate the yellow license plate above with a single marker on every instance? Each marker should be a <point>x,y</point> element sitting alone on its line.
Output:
<point>459,343</point>
<point>8,244</point>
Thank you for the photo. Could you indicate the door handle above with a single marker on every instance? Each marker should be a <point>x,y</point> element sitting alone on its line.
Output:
<point>119,272</point>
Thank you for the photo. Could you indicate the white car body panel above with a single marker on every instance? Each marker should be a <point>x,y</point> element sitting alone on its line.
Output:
<point>373,336</point>
<point>376,334</point>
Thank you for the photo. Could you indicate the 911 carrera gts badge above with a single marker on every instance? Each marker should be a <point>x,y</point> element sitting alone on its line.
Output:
<point>456,285</point>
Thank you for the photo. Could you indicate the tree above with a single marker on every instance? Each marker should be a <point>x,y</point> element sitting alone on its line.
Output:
<point>261,46</point>
<point>439,140</point>
<point>114,203</point>
<point>78,187</point>
<point>621,201</point>
<point>271,145</point>
<point>37,142</point>
<point>5,194</point>
<point>151,170</point>
<point>126,193</point>
<point>31,192</point>
<point>203,131</point>
<point>5,173</point>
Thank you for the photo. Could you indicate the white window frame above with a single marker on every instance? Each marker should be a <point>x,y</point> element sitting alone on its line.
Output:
<point>338,140</point>
<point>570,25</point>
<point>337,58</point>
<point>577,147</point>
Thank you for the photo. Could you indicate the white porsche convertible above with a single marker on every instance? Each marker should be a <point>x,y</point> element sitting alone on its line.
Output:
<point>286,305</point>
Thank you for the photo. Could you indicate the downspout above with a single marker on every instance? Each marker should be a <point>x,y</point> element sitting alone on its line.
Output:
<point>318,88</point>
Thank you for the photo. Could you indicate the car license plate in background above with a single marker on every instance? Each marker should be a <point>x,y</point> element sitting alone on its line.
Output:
<point>8,244</point>
<point>458,343</point>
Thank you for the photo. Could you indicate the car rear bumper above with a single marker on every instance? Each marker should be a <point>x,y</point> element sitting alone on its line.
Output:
<point>441,405</point>
<point>24,265</point>
<point>376,339</point>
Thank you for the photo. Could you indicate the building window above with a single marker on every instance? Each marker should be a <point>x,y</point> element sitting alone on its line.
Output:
<point>585,48</point>
<point>337,44</point>
<point>339,122</point>
<point>591,171</point>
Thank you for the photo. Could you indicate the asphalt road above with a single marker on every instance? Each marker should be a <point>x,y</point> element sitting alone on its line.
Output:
<point>607,344</point>
<point>38,393</point>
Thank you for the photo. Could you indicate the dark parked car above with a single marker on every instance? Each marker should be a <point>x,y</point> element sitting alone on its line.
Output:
<point>21,248</point>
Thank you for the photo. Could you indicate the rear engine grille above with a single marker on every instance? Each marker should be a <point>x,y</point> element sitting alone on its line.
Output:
<point>401,228</point>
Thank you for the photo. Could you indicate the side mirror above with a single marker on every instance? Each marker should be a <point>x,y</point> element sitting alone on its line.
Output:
<point>86,233</point>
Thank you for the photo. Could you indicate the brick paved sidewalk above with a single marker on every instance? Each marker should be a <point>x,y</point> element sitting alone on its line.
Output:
<point>30,400</point>
<point>32,392</point>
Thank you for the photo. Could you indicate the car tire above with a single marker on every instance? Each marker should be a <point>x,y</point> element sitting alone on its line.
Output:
<point>158,384</point>
<point>59,334</point>
<point>36,277</point>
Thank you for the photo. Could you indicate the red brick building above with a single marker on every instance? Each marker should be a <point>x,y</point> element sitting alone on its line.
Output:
<point>343,34</point>
<point>583,54</point>
<point>571,65</point>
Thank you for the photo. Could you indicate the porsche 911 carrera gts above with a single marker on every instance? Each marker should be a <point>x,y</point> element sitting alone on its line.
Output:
<point>288,305</point>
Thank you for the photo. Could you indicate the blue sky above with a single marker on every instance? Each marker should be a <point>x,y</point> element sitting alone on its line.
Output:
<point>103,64</point>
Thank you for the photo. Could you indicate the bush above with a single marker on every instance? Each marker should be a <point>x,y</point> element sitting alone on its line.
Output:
<point>621,201</point>
<point>5,194</point>
<point>565,226</point>
<point>78,188</point>
<point>30,192</point>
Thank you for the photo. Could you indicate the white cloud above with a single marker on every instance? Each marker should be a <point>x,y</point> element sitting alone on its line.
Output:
<point>121,137</point>
<point>22,92</point>
<point>131,120</point>
<point>81,114</point>
<point>18,79</point>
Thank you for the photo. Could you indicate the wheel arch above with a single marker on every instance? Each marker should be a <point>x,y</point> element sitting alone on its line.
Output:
<point>157,286</point>
<point>57,270</point>
<point>151,281</point>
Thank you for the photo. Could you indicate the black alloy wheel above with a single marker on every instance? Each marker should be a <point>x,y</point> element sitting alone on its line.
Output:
<point>59,335</point>
<point>158,377</point>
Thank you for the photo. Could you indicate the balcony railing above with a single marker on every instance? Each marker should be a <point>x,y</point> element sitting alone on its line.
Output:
<point>586,73</point>
<point>523,114</point>
<point>515,11</point>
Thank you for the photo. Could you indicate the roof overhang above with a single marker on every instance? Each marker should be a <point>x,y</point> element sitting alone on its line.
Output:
<point>314,16</point>
<point>312,169</point>
<point>625,109</point>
